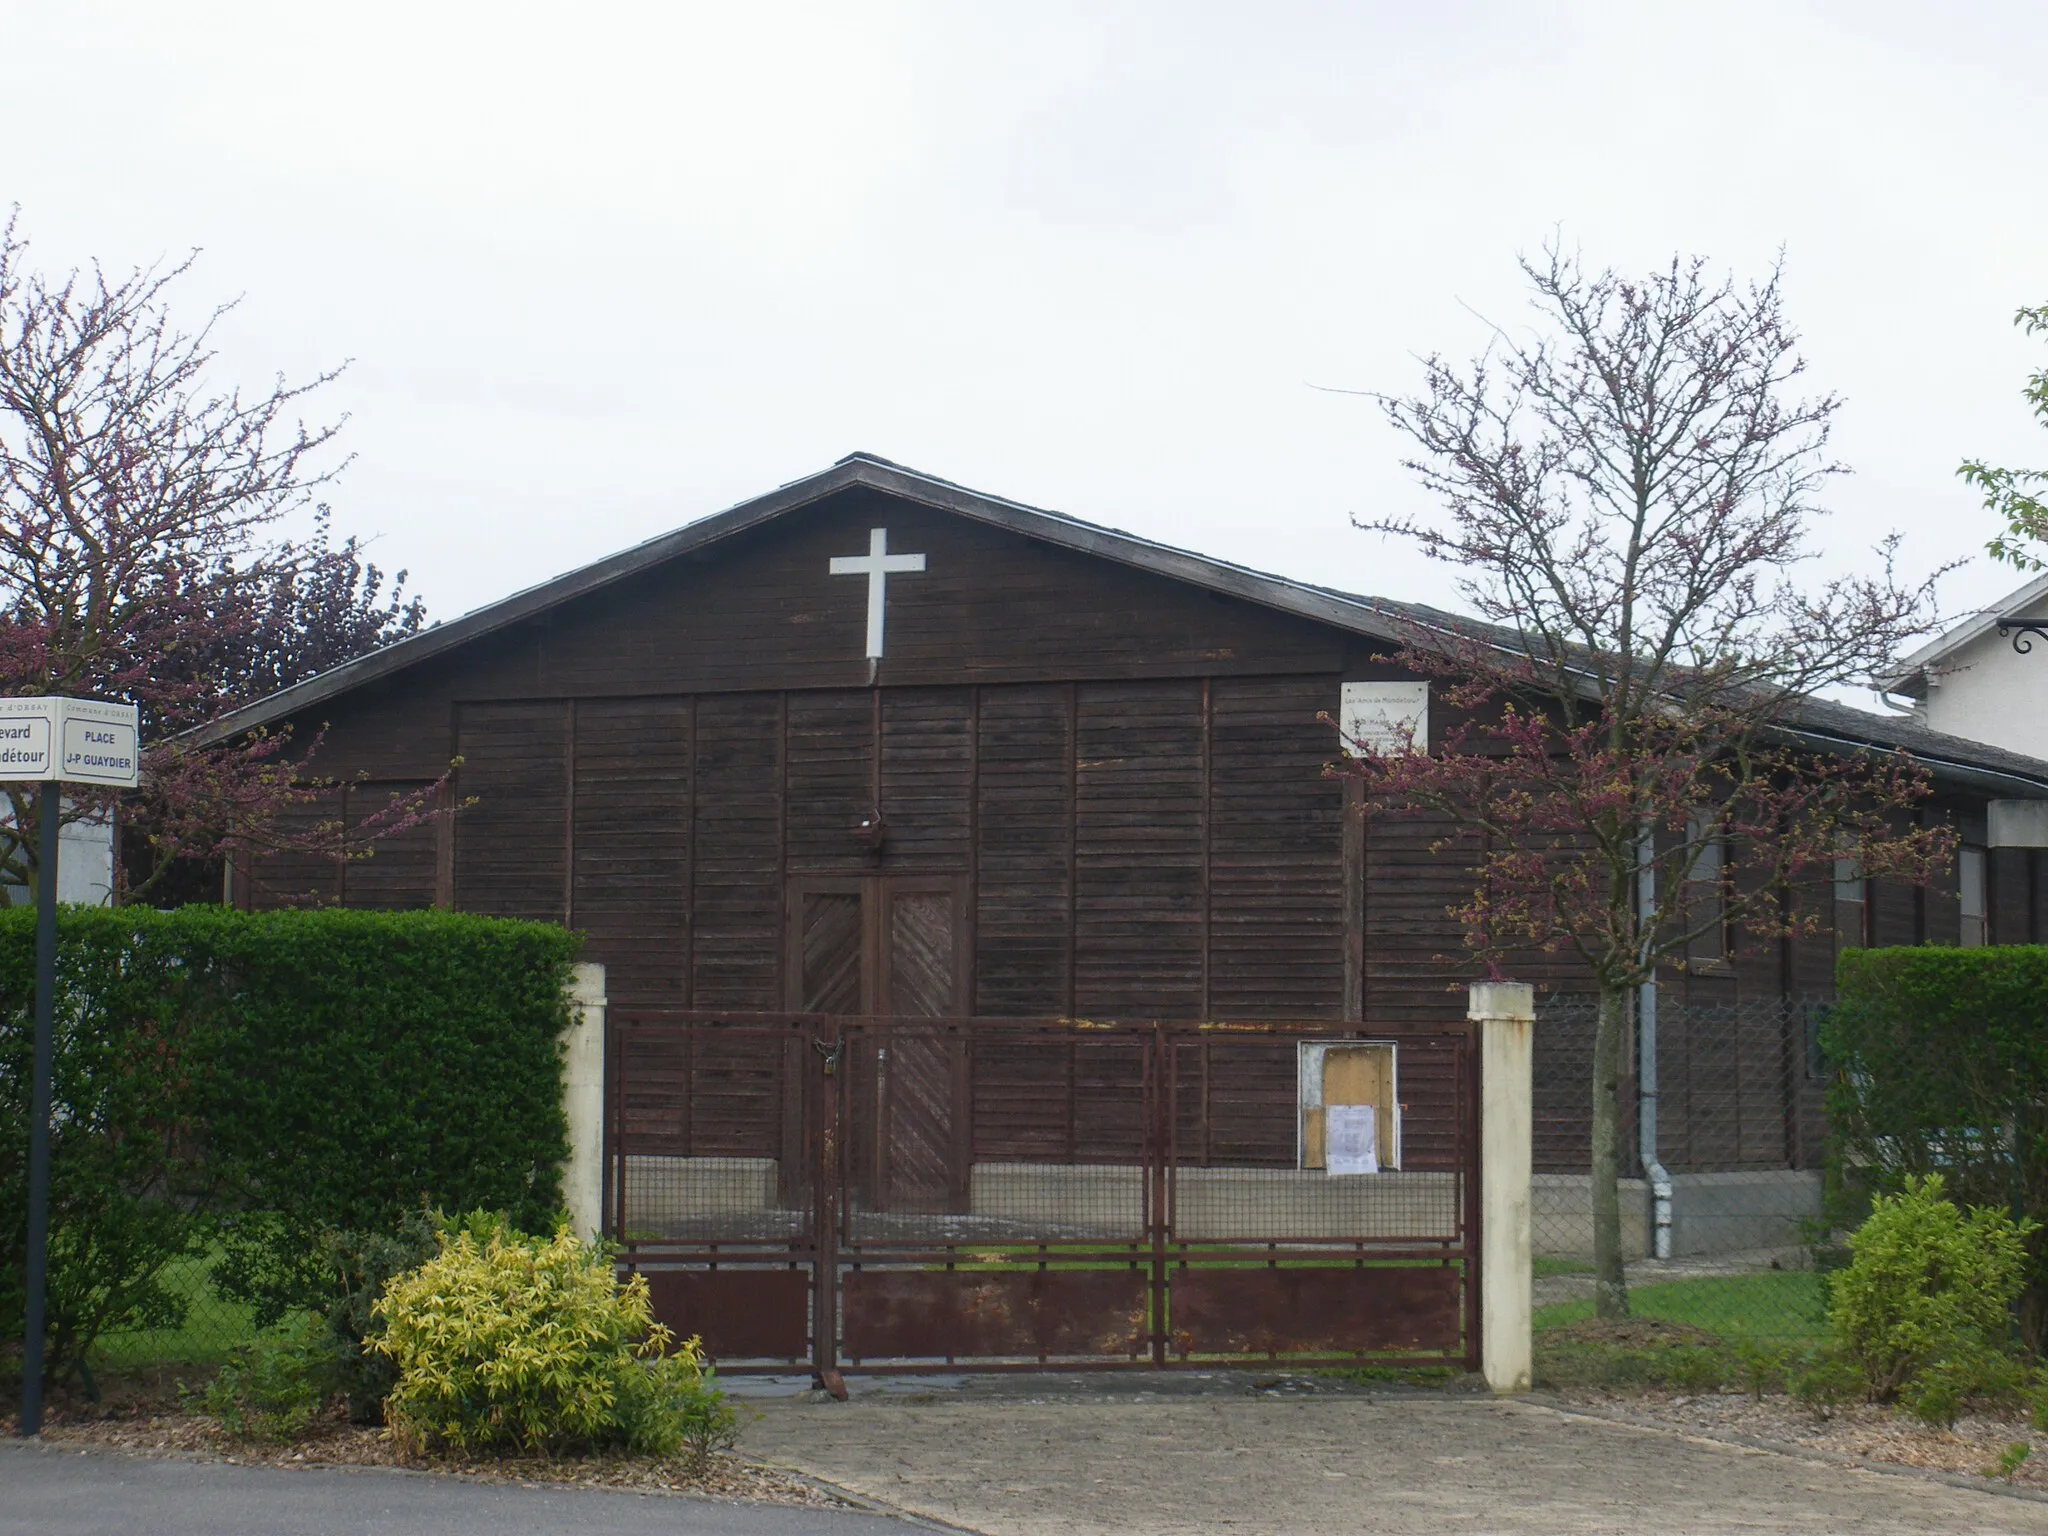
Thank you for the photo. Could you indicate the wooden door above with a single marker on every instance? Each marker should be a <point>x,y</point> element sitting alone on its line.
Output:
<point>892,948</point>
<point>921,1088</point>
<point>828,938</point>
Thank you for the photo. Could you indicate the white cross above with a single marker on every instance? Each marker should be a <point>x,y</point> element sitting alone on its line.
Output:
<point>876,565</point>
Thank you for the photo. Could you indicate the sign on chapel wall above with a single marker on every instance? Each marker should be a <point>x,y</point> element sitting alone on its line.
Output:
<point>1384,717</point>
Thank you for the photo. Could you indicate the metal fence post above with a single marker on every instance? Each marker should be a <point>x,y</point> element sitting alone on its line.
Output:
<point>1505,1012</point>
<point>49,804</point>
<point>583,1102</point>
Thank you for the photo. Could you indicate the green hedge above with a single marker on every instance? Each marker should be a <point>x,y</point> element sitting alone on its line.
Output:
<point>1940,1065</point>
<point>253,1079</point>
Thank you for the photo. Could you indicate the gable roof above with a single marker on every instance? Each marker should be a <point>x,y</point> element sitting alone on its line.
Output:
<point>1827,725</point>
<point>1910,675</point>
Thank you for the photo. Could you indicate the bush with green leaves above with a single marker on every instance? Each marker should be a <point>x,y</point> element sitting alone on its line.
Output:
<point>1939,1064</point>
<point>1924,1309</point>
<point>251,1081</point>
<point>357,1267</point>
<point>529,1344</point>
<point>135,1043</point>
<point>275,1388</point>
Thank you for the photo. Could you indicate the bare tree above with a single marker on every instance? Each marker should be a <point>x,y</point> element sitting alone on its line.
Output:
<point>1630,495</point>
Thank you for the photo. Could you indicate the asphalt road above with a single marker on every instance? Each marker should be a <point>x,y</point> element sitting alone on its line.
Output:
<point>49,1491</point>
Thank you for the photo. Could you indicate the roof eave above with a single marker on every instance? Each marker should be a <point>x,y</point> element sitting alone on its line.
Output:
<point>1355,615</point>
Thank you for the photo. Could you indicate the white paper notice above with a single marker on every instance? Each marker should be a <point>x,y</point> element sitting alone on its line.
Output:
<point>1351,1141</point>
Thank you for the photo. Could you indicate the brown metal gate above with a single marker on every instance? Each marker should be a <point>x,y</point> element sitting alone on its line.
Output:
<point>902,1194</point>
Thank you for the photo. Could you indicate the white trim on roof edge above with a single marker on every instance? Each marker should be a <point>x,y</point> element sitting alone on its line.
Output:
<point>1911,669</point>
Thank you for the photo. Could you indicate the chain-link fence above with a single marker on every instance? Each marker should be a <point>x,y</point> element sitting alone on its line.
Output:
<point>1720,1200</point>
<point>1722,1232</point>
<point>196,1329</point>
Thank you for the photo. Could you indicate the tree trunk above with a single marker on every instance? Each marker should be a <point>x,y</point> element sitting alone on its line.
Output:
<point>1610,1283</point>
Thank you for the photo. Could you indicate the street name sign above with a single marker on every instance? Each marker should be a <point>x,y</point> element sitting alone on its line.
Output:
<point>79,741</point>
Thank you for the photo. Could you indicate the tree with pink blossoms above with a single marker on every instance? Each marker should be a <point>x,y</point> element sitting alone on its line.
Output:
<point>141,505</point>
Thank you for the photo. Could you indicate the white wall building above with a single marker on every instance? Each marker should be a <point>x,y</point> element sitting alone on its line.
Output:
<point>85,865</point>
<point>1975,683</point>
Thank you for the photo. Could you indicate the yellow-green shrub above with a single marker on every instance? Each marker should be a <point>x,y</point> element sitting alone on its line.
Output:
<point>513,1342</point>
<point>1928,1294</point>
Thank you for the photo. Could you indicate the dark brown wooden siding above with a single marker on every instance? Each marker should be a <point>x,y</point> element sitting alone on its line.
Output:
<point>395,871</point>
<point>634,797</point>
<point>738,838</point>
<point>512,844</point>
<point>1275,894</point>
<point>1024,815</point>
<point>1122,774</point>
<point>1138,850</point>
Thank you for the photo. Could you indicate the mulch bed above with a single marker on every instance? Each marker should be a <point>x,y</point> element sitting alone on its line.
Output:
<point>1859,1430</point>
<point>1862,1431</point>
<point>154,1431</point>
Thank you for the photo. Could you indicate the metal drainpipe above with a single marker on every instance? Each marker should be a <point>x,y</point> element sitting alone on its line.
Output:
<point>1646,1058</point>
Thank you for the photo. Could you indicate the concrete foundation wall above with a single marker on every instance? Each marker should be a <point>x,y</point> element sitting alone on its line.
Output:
<point>1222,1202</point>
<point>1728,1212</point>
<point>1089,1199</point>
<point>662,1189</point>
<point>1711,1212</point>
<point>1561,1218</point>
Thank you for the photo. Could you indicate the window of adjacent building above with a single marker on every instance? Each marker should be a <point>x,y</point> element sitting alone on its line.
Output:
<point>1706,893</point>
<point>1816,1018</point>
<point>1852,905</point>
<point>1971,892</point>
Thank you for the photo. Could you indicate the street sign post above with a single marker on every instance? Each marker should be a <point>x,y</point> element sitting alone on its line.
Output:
<point>51,742</point>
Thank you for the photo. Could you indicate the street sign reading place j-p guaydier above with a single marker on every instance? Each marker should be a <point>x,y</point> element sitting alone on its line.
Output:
<point>80,741</point>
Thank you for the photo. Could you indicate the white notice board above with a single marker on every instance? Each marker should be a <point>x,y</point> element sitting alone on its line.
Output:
<point>1384,717</point>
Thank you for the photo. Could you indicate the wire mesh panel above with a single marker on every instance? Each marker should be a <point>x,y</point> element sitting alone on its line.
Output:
<point>995,1208</point>
<point>1317,1199</point>
<point>1721,1229</point>
<point>712,1188</point>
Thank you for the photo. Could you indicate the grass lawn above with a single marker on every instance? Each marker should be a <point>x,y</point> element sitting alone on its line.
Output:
<point>212,1328</point>
<point>1771,1307</point>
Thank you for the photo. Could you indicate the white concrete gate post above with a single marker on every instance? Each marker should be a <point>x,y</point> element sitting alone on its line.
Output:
<point>1505,1012</point>
<point>583,1102</point>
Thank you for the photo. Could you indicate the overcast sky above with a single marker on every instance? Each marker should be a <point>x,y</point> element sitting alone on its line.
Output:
<point>602,269</point>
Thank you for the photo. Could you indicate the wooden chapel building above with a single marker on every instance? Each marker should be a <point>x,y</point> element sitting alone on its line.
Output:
<point>875,743</point>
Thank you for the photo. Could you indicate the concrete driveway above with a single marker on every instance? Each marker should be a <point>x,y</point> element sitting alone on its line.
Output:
<point>1014,1460</point>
